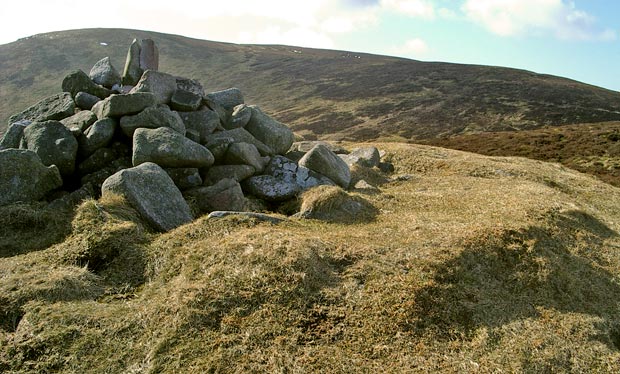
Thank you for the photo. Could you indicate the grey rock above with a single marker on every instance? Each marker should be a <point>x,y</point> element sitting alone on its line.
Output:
<point>258,216</point>
<point>104,73</point>
<point>236,172</point>
<point>218,147</point>
<point>284,169</point>
<point>123,104</point>
<point>55,107</point>
<point>71,200</point>
<point>228,98</point>
<point>364,186</point>
<point>204,122</point>
<point>350,160</point>
<point>97,136</point>
<point>185,178</point>
<point>53,143</point>
<point>327,163</point>
<point>386,167</point>
<point>12,138</point>
<point>192,135</point>
<point>274,134</point>
<point>224,195</point>
<point>185,101</point>
<point>78,81</point>
<point>161,85</point>
<point>245,154</point>
<point>222,113</point>
<point>149,55</point>
<point>168,148</point>
<point>269,188</point>
<point>152,118</point>
<point>85,100</point>
<point>150,191</point>
<point>240,116</point>
<point>23,177</point>
<point>79,122</point>
<point>306,145</point>
<point>241,135</point>
<point>190,85</point>
<point>101,158</point>
<point>132,71</point>
<point>367,156</point>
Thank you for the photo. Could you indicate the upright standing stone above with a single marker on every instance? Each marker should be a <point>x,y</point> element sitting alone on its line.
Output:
<point>149,55</point>
<point>132,71</point>
<point>53,143</point>
<point>150,190</point>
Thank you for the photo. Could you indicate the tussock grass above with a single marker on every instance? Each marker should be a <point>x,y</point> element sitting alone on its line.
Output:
<point>474,264</point>
<point>333,204</point>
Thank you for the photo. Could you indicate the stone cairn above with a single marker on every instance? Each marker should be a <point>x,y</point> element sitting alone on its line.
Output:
<point>160,141</point>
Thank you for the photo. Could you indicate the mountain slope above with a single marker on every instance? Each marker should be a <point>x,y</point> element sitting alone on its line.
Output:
<point>329,94</point>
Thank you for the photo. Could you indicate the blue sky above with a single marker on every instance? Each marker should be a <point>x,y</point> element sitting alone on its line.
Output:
<point>575,39</point>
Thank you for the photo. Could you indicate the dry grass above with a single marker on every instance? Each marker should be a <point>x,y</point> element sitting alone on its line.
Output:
<point>474,264</point>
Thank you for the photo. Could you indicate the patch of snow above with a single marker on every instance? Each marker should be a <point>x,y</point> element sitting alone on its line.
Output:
<point>103,43</point>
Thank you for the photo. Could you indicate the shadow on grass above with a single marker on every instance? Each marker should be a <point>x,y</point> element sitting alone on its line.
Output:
<point>499,279</point>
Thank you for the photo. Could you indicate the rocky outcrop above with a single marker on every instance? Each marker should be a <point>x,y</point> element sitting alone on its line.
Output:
<point>150,191</point>
<point>157,135</point>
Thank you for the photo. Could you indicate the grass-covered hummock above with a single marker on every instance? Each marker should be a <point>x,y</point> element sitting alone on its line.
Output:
<point>472,264</point>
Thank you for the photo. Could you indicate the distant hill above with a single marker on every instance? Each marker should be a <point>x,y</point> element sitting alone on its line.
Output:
<point>321,93</point>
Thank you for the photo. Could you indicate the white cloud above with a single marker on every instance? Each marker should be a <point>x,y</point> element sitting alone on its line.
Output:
<point>523,17</point>
<point>412,48</point>
<point>412,8</point>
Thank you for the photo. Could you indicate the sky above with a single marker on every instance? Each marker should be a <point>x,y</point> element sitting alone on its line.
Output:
<point>577,39</point>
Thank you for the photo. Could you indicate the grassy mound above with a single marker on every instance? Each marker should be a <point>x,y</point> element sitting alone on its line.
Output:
<point>333,204</point>
<point>474,264</point>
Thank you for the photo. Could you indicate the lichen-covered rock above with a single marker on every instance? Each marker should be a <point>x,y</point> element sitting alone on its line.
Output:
<point>79,122</point>
<point>86,101</point>
<point>327,163</point>
<point>365,156</point>
<point>149,55</point>
<point>53,143</point>
<point>168,148</point>
<point>284,169</point>
<point>185,101</point>
<point>236,172</point>
<point>97,136</point>
<point>241,135</point>
<point>185,178</point>
<point>152,118</point>
<point>23,177</point>
<point>78,81</point>
<point>160,84</point>
<point>123,104</point>
<point>104,73</point>
<point>55,107</point>
<point>150,191</point>
<point>269,188</point>
<point>228,98</point>
<point>12,138</point>
<point>240,117</point>
<point>190,85</point>
<point>204,122</point>
<point>132,71</point>
<point>245,154</point>
<point>272,133</point>
<point>224,195</point>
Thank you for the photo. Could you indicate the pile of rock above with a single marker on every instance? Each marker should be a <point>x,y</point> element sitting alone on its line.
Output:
<point>160,141</point>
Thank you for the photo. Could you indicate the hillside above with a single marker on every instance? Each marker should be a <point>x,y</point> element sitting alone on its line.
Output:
<point>322,93</point>
<point>473,264</point>
<point>592,148</point>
